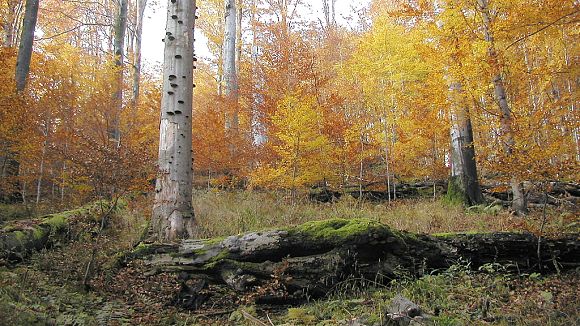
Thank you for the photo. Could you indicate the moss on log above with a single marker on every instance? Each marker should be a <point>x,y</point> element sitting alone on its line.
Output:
<point>18,239</point>
<point>310,259</point>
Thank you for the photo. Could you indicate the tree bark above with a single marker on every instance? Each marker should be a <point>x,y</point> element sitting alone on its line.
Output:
<point>119,51</point>
<point>26,42</point>
<point>464,183</point>
<point>309,260</point>
<point>519,204</point>
<point>173,215</point>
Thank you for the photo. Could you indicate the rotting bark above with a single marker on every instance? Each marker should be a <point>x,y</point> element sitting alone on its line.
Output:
<point>308,261</point>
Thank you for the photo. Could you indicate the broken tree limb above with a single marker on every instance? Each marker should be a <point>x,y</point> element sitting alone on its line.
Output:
<point>310,259</point>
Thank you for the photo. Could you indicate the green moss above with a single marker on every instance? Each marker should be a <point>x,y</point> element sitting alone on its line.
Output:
<point>56,222</point>
<point>38,233</point>
<point>455,192</point>
<point>446,235</point>
<point>19,235</point>
<point>212,262</point>
<point>140,250</point>
<point>301,316</point>
<point>213,241</point>
<point>337,228</point>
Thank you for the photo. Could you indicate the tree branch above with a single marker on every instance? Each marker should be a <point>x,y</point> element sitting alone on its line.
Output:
<point>541,29</point>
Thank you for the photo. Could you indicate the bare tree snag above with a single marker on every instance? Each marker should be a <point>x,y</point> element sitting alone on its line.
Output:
<point>309,260</point>
<point>173,215</point>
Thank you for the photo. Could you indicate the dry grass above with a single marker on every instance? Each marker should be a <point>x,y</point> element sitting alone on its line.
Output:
<point>227,213</point>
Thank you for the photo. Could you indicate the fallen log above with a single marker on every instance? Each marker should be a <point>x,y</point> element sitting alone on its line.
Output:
<point>556,194</point>
<point>18,239</point>
<point>309,260</point>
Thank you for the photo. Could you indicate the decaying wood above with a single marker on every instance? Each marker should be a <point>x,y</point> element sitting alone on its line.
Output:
<point>18,239</point>
<point>311,259</point>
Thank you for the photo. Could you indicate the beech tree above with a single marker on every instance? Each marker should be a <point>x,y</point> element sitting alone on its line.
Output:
<point>519,201</point>
<point>464,183</point>
<point>173,215</point>
<point>141,6</point>
<point>26,41</point>
<point>119,52</point>
<point>8,163</point>
<point>10,14</point>
<point>230,72</point>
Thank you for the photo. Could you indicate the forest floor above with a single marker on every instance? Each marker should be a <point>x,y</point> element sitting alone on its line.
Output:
<point>79,283</point>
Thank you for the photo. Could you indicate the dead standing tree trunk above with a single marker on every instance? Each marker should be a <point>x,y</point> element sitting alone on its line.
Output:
<point>173,216</point>
<point>309,260</point>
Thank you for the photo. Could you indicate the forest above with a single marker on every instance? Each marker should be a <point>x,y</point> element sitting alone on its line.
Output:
<point>289,162</point>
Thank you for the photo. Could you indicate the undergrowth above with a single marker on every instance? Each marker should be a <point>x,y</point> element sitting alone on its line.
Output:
<point>456,296</point>
<point>78,283</point>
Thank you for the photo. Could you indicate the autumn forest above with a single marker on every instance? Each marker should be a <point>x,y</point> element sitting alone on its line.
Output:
<point>428,116</point>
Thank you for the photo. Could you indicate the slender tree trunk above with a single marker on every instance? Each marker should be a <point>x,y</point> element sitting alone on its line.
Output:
<point>173,215</point>
<point>62,181</point>
<point>574,101</point>
<point>464,184</point>
<point>141,6</point>
<point>519,204</point>
<point>119,50</point>
<point>9,34</point>
<point>40,173</point>
<point>361,167</point>
<point>257,126</point>
<point>229,65</point>
<point>9,22</point>
<point>23,191</point>
<point>295,169</point>
<point>239,35</point>
<point>386,149</point>
<point>26,42</point>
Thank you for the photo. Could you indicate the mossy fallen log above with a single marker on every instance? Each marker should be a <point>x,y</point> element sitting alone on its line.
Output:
<point>311,259</point>
<point>18,239</point>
